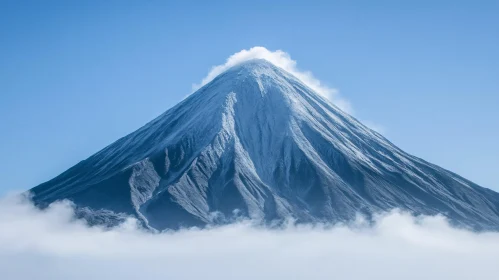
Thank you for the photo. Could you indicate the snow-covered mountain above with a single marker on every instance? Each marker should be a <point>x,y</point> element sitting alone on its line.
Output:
<point>256,142</point>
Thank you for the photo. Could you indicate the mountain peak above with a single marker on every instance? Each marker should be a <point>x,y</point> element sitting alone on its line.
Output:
<point>256,68</point>
<point>255,63</point>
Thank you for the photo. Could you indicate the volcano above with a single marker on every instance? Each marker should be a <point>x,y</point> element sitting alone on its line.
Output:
<point>258,143</point>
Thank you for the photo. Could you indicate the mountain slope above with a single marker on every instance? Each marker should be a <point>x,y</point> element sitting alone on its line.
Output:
<point>256,142</point>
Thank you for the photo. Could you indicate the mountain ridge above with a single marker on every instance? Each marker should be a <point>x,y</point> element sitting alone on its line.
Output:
<point>258,141</point>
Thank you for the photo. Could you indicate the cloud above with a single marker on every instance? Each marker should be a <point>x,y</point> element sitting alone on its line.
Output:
<point>50,244</point>
<point>284,61</point>
<point>376,127</point>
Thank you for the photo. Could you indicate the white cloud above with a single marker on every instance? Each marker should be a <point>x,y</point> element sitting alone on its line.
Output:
<point>376,127</point>
<point>51,245</point>
<point>284,61</point>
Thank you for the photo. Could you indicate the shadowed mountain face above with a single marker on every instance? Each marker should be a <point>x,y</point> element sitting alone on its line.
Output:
<point>258,143</point>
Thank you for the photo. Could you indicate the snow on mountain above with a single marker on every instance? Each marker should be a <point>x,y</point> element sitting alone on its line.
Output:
<point>256,142</point>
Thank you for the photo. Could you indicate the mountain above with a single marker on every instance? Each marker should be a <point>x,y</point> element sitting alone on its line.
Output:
<point>256,142</point>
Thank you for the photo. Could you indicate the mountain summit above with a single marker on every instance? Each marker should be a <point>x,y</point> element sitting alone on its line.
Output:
<point>256,142</point>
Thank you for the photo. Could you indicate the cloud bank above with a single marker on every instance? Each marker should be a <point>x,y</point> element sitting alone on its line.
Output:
<point>284,61</point>
<point>50,244</point>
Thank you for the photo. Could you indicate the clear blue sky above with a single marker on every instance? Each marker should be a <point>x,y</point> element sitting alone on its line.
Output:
<point>77,75</point>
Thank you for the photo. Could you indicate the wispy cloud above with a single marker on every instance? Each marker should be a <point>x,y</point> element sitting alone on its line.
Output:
<point>50,244</point>
<point>376,127</point>
<point>284,61</point>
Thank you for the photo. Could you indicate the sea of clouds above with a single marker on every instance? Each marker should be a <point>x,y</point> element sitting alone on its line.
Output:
<point>52,244</point>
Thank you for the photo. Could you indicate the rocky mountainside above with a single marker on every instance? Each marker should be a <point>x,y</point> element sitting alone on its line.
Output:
<point>256,142</point>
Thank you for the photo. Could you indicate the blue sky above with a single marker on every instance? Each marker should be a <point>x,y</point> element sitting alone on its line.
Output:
<point>77,75</point>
